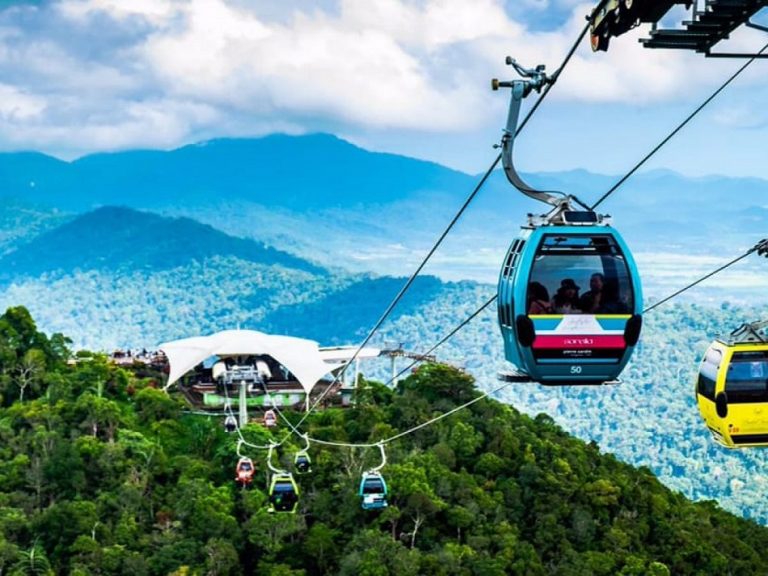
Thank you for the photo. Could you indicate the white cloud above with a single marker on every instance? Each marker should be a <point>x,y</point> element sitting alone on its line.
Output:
<point>153,124</point>
<point>416,66</point>
<point>351,69</point>
<point>17,106</point>
<point>155,11</point>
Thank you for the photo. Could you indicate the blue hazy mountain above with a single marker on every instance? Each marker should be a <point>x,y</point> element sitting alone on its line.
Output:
<point>263,187</point>
<point>121,239</point>
<point>301,173</point>
<point>117,277</point>
<point>320,171</point>
<point>20,222</point>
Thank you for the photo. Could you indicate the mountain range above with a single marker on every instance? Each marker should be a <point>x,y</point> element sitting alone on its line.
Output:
<point>338,205</point>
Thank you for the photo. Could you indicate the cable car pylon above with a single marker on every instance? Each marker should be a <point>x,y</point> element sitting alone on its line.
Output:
<point>570,338</point>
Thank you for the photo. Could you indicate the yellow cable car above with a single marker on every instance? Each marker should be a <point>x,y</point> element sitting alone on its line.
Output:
<point>732,388</point>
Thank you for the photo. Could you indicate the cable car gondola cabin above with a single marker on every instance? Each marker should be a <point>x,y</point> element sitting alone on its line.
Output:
<point>302,462</point>
<point>283,493</point>
<point>732,393</point>
<point>554,332</point>
<point>270,419</point>
<point>373,491</point>
<point>244,472</point>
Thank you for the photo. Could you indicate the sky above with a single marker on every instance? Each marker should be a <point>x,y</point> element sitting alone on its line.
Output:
<point>410,77</point>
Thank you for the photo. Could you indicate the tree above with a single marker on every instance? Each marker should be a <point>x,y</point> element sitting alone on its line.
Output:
<point>413,495</point>
<point>371,553</point>
<point>320,545</point>
<point>30,370</point>
<point>32,562</point>
<point>155,405</point>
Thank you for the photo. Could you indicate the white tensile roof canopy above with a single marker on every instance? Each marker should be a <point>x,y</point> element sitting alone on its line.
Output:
<point>302,357</point>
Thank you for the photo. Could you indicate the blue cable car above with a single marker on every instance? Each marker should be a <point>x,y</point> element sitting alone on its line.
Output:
<point>570,302</point>
<point>373,491</point>
<point>554,332</point>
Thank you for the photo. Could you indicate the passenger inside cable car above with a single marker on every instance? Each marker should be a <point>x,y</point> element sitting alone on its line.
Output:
<point>538,299</point>
<point>563,261</point>
<point>566,300</point>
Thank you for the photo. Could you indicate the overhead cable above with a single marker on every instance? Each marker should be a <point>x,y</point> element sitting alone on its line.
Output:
<point>679,127</point>
<point>761,248</point>
<point>455,219</point>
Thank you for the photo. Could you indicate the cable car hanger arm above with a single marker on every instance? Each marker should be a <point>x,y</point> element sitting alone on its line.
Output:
<point>749,332</point>
<point>274,470</point>
<point>534,79</point>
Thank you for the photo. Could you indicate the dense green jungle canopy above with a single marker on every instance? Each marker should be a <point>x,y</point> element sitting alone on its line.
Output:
<point>103,473</point>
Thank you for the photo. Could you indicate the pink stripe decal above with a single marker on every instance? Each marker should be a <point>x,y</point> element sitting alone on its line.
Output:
<point>577,342</point>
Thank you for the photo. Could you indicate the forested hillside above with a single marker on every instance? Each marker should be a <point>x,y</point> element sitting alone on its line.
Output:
<point>104,474</point>
<point>649,420</point>
<point>120,240</point>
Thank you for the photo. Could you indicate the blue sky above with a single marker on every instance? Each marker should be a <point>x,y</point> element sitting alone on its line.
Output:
<point>403,76</point>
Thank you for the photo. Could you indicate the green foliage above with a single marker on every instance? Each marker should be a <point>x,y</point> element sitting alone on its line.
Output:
<point>94,481</point>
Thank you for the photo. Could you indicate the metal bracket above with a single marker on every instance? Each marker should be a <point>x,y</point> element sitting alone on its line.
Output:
<point>761,248</point>
<point>535,79</point>
<point>749,332</point>
<point>748,24</point>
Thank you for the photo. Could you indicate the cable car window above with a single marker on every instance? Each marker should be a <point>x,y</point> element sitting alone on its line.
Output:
<point>373,486</point>
<point>708,373</point>
<point>511,261</point>
<point>579,274</point>
<point>747,378</point>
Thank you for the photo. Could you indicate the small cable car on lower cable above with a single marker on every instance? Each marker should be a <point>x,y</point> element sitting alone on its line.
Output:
<point>732,387</point>
<point>302,463</point>
<point>373,491</point>
<point>244,472</point>
<point>373,488</point>
<point>270,419</point>
<point>283,493</point>
<point>569,295</point>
